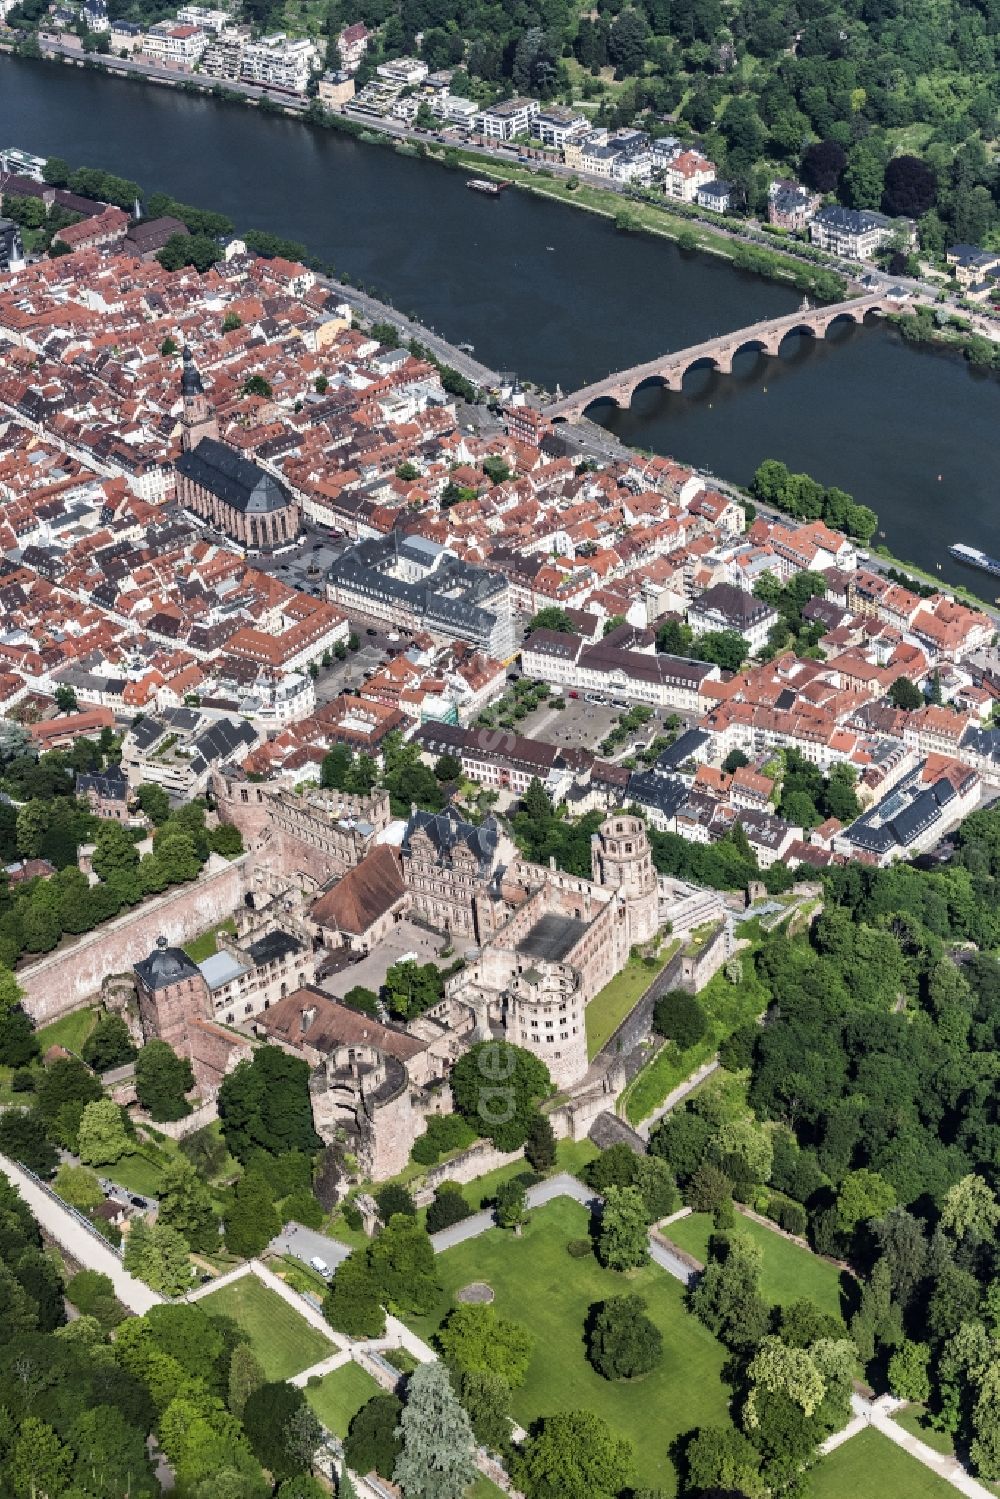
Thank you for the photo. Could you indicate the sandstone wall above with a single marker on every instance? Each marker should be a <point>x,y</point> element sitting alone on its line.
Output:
<point>63,980</point>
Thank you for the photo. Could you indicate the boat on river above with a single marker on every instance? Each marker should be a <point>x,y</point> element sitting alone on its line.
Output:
<point>975,558</point>
<point>487,185</point>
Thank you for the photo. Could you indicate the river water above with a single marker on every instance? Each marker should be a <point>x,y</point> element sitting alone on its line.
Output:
<point>560,297</point>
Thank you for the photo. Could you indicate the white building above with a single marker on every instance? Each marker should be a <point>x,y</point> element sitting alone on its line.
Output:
<point>405,72</point>
<point>508,120</point>
<point>213,21</point>
<point>279,62</point>
<point>555,126</point>
<point>177,46</point>
<point>686,174</point>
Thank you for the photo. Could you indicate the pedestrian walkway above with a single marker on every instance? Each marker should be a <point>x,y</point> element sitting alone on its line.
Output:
<point>325,1366</point>
<point>84,1245</point>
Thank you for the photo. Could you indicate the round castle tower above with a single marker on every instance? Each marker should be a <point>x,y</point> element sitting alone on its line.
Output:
<point>544,1014</point>
<point>621,860</point>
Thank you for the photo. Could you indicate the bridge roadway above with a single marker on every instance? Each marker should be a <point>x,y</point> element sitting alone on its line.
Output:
<point>720,351</point>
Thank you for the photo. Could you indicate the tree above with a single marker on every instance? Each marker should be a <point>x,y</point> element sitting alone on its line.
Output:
<point>231,322</point>
<point>727,1298</point>
<point>18,1042</point>
<point>372,1441</point>
<point>722,1461</point>
<point>449,1206</point>
<point>486,1398</point>
<point>908,1378</point>
<point>65,699</point>
<point>552,617</point>
<point>497,1088</point>
<point>622,1241</point>
<point>256,385</point>
<point>970,1207</point>
<point>394,1198</point>
<point>103,1137</point>
<point>271,1415</point>
<point>628,40</point>
<point>437,1458</point>
<point>910,187</point>
<point>23,1138</point>
<point>115,855</point>
<point>680,1017</point>
<point>264,1103</point>
<point>162,1078</point>
<point>573,1455</point>
<point>39,1464</point>
<point>168,347</point>
<point>158,1255</point>
<point>903,694</point>
<point>511,1204</point>
<point>93,1295</point>
<point>622,1342</point>
<point>822,165</point>
<point>78,1186</point>
<point>863,1194</point>
<point>476,1339</point>
<point>353,1302</point>
<point>155,803</point>
<point>186,1204</point>
<point>109,1045</point>
<point>251,1220</point>
<point>180,250</point>
<point>447,768</point>
<point>246,1374</point>
<point>540,1144</point>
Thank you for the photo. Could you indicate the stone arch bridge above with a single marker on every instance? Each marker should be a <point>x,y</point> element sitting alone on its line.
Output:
<point>767,336</point>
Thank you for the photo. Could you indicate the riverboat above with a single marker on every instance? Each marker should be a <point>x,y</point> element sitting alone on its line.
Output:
<point>975,558</point>
<point>486,185</point>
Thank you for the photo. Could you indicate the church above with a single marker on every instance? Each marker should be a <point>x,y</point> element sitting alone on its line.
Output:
<point>229,491</point>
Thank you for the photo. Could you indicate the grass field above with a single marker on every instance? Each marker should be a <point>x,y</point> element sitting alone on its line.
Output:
<point>608,1009</point>
<point>911,1419</point>
<point>284,1342</point>
<point>539,1285</point>
<point>728,1006</point>
<point>868,1466</point>
<point>70,1031</point>
<point>339,1395</point>
<point>787,1273</point>
<point>203,946</point>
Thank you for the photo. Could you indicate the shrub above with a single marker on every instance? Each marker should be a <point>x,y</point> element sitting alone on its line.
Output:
<point>789,1215</point>
<point>352,1217</point>
<point>393,1199</point>
<point>579,1248</point>
<point>448,1207</point>
<point>444,1133</point>
<point>622,1342</point>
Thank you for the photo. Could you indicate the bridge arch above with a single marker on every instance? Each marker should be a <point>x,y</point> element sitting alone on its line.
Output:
<point>758,344</point>
<point>721,363</point>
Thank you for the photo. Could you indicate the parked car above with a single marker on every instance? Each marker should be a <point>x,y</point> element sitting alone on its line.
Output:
<point>320,1266</point>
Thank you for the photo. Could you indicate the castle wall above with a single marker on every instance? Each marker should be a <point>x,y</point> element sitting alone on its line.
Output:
<point>64,979</point>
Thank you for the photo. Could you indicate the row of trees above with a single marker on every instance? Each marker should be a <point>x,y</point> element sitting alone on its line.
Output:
<point>802,497</point>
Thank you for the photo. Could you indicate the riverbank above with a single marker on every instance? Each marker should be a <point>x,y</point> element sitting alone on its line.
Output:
<point>688,230</point>
<point>955,334</point>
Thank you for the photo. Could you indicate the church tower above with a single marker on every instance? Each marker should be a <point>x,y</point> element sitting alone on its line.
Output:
<point>198,418</point>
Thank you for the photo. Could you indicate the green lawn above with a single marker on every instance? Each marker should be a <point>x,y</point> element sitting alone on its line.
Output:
<point>203,946</point>
<point>339,1395</point>
<point>912,1419</point>
<point>728,1006</point>
<point>539,1285</point>
<point>284,1342</point>
<point>136,1173</point>
<point>608,1009</point>
<point>869,1466</point>
<point>70,1031</point>
<point>788,1272</point>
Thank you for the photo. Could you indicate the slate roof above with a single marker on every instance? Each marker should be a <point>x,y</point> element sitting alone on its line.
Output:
<point>165,966</point>
<point>447,830</point>
<point>236,481</point>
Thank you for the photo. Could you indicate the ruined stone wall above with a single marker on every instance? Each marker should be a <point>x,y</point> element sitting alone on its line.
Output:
<point>64,979</point>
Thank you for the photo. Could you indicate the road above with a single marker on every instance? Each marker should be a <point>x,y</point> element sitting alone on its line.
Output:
<point>83,1244</point>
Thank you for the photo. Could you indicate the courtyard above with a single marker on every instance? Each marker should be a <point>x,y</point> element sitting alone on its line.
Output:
<point>540,1286</point>
<point>404,938</point>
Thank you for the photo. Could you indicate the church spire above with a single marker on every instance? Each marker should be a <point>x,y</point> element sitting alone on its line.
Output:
<point>198,418</point>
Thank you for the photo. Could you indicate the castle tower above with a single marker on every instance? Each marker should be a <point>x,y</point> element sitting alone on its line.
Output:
<point>172,994</point>
<point>621,860</point>
<point>198,418</point>
<point>544,1013</point>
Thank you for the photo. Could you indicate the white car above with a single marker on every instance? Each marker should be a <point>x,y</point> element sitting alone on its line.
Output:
<point>320,1266</point>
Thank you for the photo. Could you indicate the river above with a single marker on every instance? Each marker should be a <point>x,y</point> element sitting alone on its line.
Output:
<point>560,297</point>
